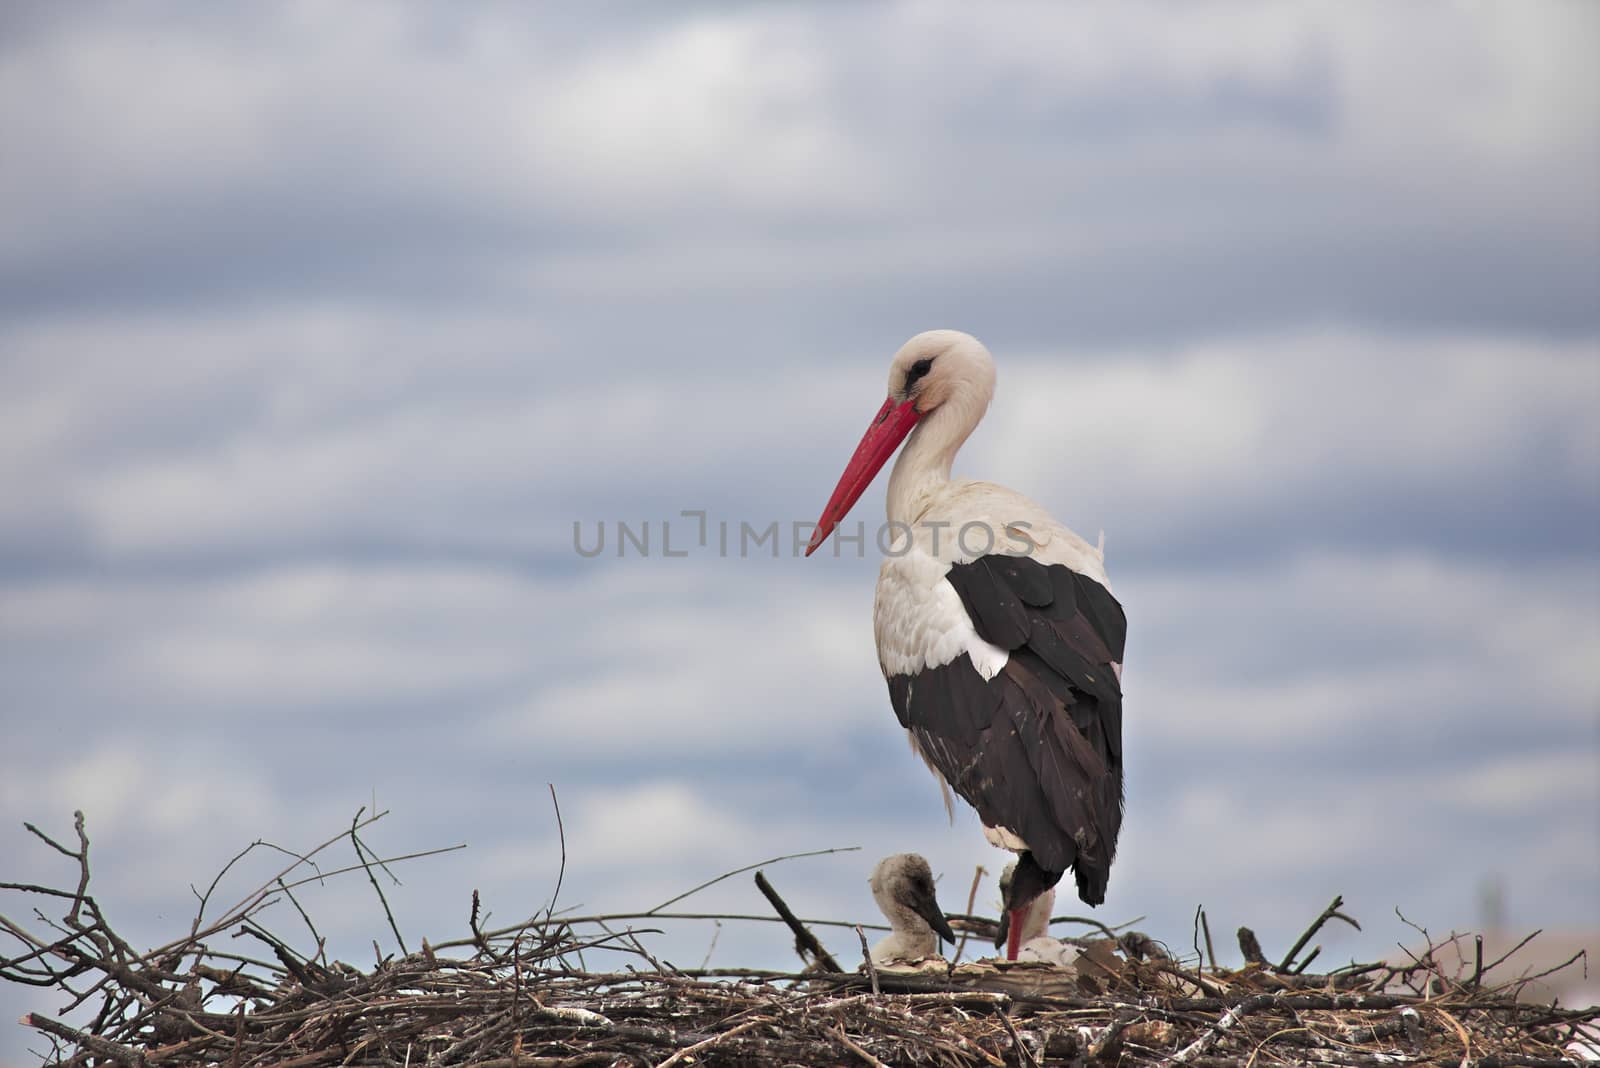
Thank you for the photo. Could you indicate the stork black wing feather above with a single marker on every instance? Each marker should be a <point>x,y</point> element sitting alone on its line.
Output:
<point>996,607</point>
<point>1104,614</point>
<point>1032,583</point>
<point>1038,748</point>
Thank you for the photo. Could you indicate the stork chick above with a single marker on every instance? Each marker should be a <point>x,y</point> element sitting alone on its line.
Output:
<point>902,885</point>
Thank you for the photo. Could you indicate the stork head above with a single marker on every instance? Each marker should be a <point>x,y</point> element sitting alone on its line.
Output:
<point>941,366</point>
<point>938,370</point>
<point>1027,894</point>
<point>902,885</point>
<point>1022,920</point>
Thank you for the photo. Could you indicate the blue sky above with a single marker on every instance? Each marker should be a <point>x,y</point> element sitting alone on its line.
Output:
<point>319,329</point>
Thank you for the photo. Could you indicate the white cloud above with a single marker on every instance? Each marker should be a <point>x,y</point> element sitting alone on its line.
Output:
<point>158,815</point>
<point>1215,433</point>
<point>191,437</point>
<point>1326,644</point>
<point>843,114</point>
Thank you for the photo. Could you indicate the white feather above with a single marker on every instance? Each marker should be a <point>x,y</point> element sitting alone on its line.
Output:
<point>920,622</point>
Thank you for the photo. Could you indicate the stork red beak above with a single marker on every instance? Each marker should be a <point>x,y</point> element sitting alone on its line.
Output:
<point>889,428</point>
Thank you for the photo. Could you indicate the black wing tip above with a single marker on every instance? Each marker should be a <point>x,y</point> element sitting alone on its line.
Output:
<point>1092,882</point>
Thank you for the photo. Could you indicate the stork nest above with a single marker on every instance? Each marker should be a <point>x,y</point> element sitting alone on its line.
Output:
<point>521,998</point>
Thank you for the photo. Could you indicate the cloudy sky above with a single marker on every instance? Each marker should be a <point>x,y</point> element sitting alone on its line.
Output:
<point>321,328</point>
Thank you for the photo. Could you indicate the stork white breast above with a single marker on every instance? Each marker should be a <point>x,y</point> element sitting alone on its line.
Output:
<point>920,621</point>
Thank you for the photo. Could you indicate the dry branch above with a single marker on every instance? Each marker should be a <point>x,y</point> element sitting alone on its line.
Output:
<point>805,943</point>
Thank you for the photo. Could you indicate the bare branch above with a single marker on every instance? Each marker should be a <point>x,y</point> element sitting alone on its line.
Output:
<point>804,941</point>
<point>751,867</point>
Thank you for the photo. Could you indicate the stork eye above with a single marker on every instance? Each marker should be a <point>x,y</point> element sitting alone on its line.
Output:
<point>918,369</point>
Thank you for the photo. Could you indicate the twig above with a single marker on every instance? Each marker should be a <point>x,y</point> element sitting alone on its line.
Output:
<point>296,903</point>
<point>1197,979</point>
<point>866,955</point>
<point>200,912</point>
<point>1023,1052</point>
<point>1090,921</point>
<point>750,867</point>
<point>688,1052</point>
<point>51,842</point>
<point>1250,946</point>
<point>1581,954</point>
<point>1329,913</point>
<point>561,872</point>
<point>1461,1033</point>
<point>1200,1045</point>
<point>477,935</point>
<point>238,1040</point>
<point>1507,954</point>
<point>83,867</point>
<point>516,989</point>
<point>805,941</point>
<point>262,892</point>
<point>1111,1033</point>
<point>857,1050</point>
<point>716,933</point>
<point>81,855</point>
<point>978,873</point>
<point>361,855</point>
<point>287,957</point>
<point>361,867</point>
<point>572,921</point>
<point>93,1043</point>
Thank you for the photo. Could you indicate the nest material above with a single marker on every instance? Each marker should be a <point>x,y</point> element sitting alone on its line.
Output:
<point>520,998</point>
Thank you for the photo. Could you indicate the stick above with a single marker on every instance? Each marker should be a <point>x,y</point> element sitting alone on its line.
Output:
<point>706,1043</point>
<point>1250,946</point>
<point>260,893</point>
<point>804,940</point>
<point>93,1043</point>
<point>1331,912</point>
<point>573,921</point>
<point>866,955</point>
<point>972,897</point>
<point>1503,958</point>
<point>206,897</point>
<point>83,867</point>
<point>296,903</point>
<point>355,840</point>
<point>857,1050</point>
<point>477,935</point>
<point>348,868</point>
<point>750,867</point>
<point>1023,1052</point>
<point>561,872</point>
<point>1200,1045</point>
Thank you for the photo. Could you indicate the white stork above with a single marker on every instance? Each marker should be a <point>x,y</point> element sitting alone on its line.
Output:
<point>996,629</point>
